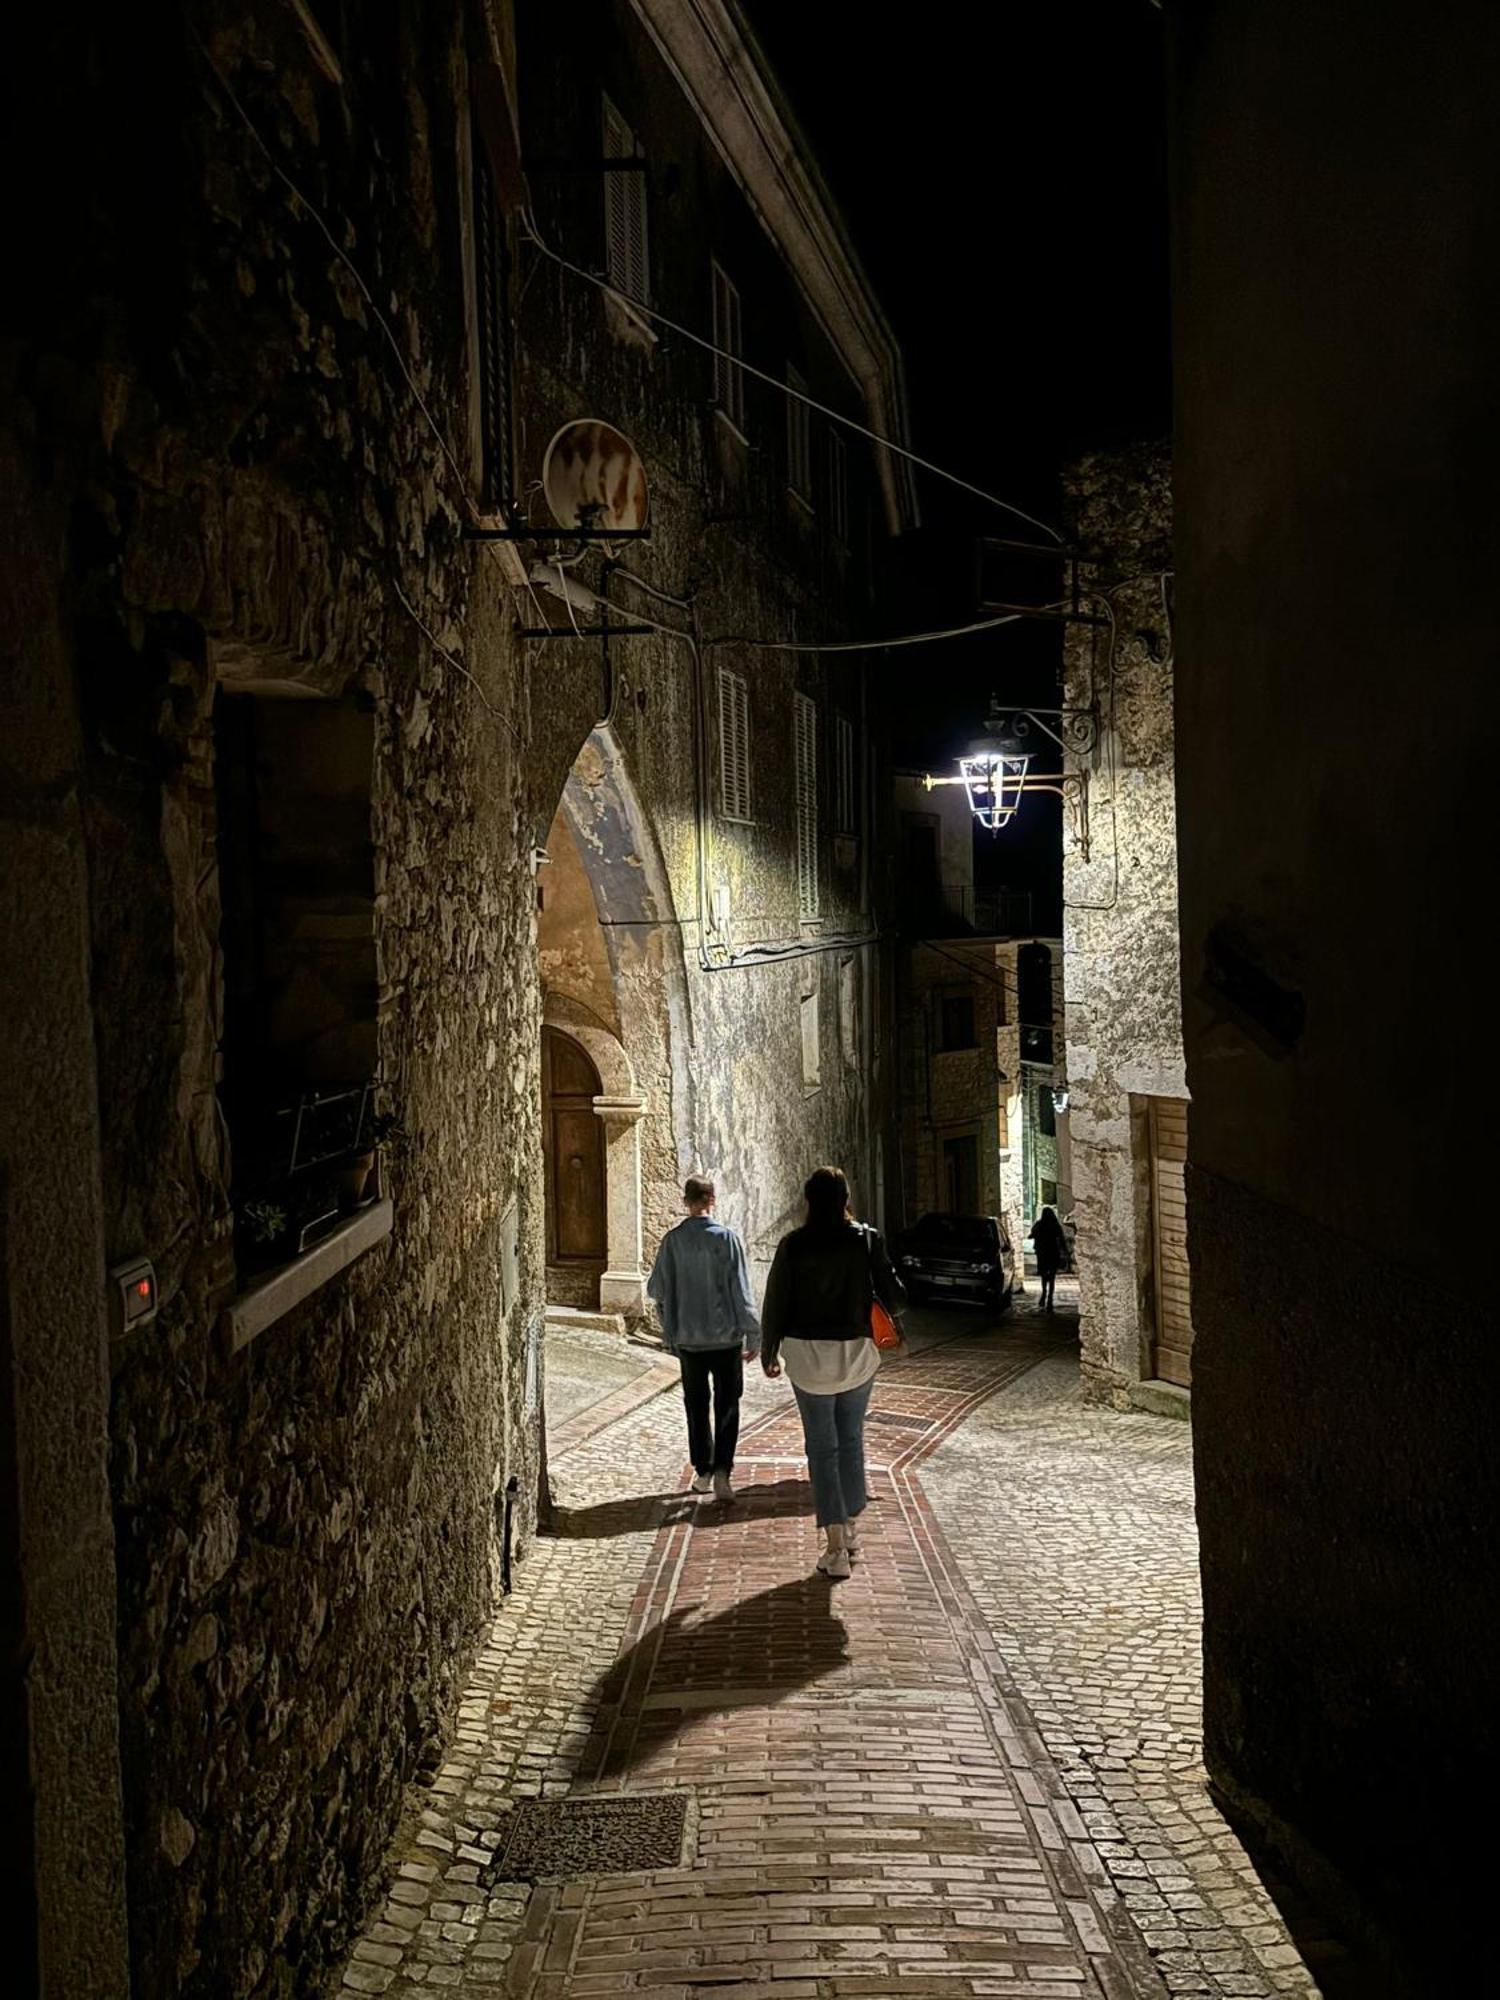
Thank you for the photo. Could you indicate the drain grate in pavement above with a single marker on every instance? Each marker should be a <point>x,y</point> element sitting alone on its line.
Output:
<point>543,1839</point>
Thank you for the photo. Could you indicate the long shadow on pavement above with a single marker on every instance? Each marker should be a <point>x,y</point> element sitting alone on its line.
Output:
<point>755,1652</point>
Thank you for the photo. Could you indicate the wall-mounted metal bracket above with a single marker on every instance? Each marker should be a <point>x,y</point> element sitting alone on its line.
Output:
<point>1077,730</point>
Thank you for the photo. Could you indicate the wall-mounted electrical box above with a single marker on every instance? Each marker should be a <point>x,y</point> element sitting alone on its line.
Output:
<point>132,1295</point>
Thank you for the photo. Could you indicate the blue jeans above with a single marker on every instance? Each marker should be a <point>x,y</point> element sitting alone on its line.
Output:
<point>833,1428</point>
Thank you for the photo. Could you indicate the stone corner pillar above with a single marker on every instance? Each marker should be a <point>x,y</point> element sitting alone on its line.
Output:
<point>622,1285</point>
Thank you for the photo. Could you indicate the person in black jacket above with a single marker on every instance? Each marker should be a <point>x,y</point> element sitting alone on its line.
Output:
<point>816,1324</point>
<point>1050,1241</point>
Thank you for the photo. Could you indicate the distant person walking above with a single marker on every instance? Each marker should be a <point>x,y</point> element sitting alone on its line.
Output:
<point>708,1321</point>
<point>1050,1241</point>
<point>817,1325</point>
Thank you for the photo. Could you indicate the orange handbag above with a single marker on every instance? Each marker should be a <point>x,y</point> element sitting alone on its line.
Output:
<point>883,1329</point>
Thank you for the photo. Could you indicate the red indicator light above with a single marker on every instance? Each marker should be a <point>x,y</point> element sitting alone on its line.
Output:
<point>143,1289</point>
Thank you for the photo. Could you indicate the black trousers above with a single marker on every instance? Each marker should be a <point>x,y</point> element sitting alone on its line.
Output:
<point>724,1367</point>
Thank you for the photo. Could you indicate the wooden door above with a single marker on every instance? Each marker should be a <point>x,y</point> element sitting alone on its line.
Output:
<point>1173,1345</point>
<point>573,1142</point>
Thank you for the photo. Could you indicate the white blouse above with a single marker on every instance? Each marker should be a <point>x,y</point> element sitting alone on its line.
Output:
<point>825,1367</point>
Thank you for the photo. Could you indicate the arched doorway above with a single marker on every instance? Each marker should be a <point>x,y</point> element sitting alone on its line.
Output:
<point>573,1150</point>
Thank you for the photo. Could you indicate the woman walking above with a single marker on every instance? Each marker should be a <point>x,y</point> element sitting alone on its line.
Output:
<point>1050,1241</point>
<point>816,1324</point>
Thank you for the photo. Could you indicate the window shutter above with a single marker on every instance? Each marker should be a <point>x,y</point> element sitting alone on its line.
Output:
<point>805,754</point>
<point>844,778</point>
<point>492,288</point>
<point>624,210</point>
<point>734,744</point>
<point>729,383</point>
<point>798,440</point>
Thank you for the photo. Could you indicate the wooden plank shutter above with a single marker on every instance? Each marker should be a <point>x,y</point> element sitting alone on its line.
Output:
<point>1172,1356</point>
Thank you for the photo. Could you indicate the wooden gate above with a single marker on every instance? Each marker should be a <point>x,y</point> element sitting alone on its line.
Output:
<point>1171,1352</point>
<point>573,1140</point>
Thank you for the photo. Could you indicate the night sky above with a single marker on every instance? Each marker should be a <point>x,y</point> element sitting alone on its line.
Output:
<point>1004,178</point>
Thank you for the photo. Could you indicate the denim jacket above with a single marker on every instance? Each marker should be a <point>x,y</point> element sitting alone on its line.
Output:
<point>702,1285</point>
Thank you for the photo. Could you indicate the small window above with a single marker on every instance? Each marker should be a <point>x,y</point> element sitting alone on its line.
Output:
<point>1046,1112</point>
<point>811,1055</point>
<point>805,760</point>
<point>956,1022</point>
<point>625,260</point>
<point>845,792</point>
<point>798,438</point>
<point>838,488</point>
<point>729,380</point>
<point>734,745</point>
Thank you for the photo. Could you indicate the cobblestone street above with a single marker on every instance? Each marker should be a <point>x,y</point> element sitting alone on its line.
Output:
<point>971,1769</point>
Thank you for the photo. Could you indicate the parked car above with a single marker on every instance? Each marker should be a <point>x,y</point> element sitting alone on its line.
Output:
<point>958,1256</point>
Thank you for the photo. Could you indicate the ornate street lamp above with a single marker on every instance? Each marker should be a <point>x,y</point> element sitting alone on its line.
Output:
<point>996,772</point>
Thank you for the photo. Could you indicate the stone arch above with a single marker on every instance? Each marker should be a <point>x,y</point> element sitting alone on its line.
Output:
<point>613,977</point>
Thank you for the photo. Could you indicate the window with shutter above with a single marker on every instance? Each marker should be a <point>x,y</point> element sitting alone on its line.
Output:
<point>838,487</point>
<point>734,744</point>
<point>729,380</point>
<point>805,756</point>
<point>492,289</point>
<point>798,439</point>
<point>625,261</point>
<point>845,792</point>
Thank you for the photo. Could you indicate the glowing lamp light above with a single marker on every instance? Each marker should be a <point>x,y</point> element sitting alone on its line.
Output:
<point>994,778</point>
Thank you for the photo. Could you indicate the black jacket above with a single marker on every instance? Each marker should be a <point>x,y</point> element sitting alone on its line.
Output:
<point>822,1284</point>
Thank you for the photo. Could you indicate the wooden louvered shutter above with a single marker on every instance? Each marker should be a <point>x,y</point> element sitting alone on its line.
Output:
<point>624,210</point>
<point>734,744</point>
<point>805,757</point>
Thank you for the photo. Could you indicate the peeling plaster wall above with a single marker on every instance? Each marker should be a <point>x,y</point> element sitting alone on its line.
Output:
<point>1121,982</point>
<point>306,1530</point>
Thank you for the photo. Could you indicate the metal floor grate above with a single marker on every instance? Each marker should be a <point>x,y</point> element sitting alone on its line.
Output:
<point>547,1839</point>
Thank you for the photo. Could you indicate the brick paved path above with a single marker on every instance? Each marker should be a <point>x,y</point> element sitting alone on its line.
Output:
<point>873,1810</point>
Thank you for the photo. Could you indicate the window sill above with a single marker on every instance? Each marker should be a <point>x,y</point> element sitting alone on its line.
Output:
<point>275,1293</point>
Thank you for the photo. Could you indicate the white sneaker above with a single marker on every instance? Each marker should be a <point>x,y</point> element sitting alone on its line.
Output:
<point>722,1488</point>
<point>703,1482</point>
<point>835,1563</point>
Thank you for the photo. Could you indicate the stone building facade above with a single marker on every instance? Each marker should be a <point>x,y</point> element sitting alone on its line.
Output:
<point>979,1128</point>
<point>281,764</point>
<point>1127,1106</point>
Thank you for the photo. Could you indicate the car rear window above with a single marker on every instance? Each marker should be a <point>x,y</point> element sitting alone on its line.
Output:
<point>958,1232</point>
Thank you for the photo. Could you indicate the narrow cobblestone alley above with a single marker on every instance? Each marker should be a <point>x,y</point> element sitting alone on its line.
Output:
<point>972,1769</point>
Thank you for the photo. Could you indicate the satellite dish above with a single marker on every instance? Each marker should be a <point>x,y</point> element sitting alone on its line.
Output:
<point>593,478</point>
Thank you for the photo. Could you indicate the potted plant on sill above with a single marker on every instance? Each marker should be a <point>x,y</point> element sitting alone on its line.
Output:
<point>354,1174</point>
<point>265,1232</point>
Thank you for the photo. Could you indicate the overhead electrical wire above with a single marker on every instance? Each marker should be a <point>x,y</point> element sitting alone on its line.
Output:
<point>528,223</point>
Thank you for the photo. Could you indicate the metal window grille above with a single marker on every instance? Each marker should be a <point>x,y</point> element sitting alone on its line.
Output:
<point>805,757</point>
<point>625,258</point>
<point>844,790</point>
<point>734,744</point>
<point>729,380</point>
<point>838,487</point>
<point>492,284</point>
<point>798,439</point>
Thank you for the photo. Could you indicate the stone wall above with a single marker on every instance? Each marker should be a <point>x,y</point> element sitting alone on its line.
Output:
<point>1122,998</point>
<point>1337,707</point>
<point>307,1530</point>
